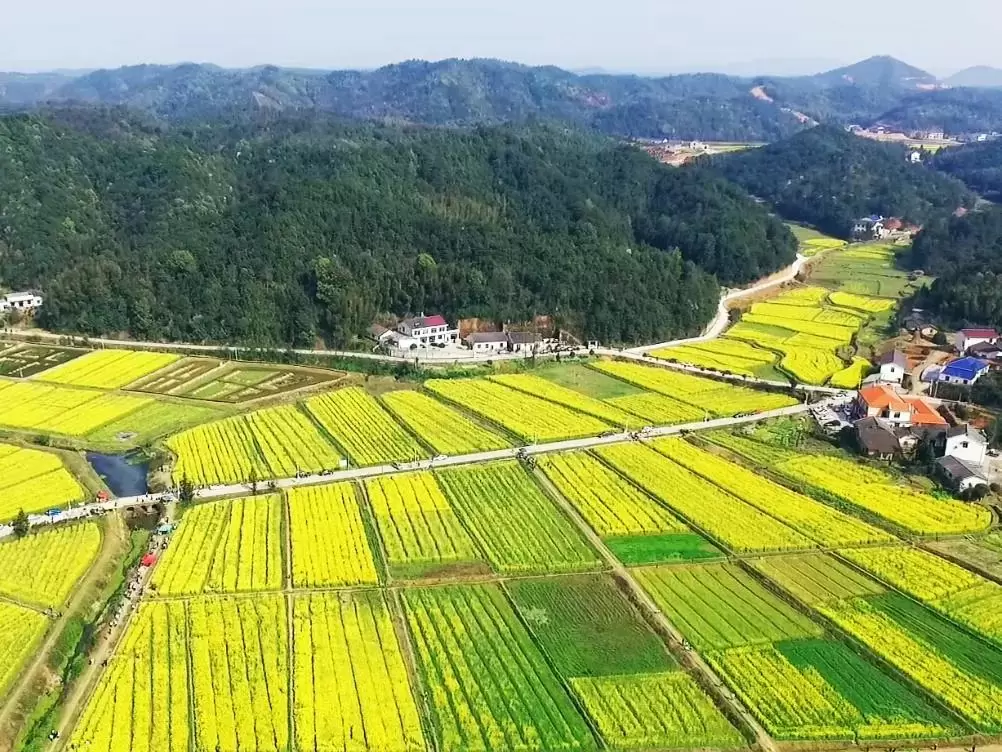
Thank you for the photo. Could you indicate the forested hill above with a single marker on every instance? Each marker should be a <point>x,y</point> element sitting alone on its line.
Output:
<point>966,255</point>
<point>829,178</point>
<point>298,229</point>
<point>978,165</point>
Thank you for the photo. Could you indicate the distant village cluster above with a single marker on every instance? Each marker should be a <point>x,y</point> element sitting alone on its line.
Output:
<point>890,423</point>
<point>433,332</point>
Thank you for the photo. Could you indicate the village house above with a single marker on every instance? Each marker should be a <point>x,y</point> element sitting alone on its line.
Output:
<point>967,338</point>
<point>892,367</point>
<point>959,475</point>
<point>967,443</point>
<point>20,301</point>
<point>487,342</point>
<point>989,351</point>
<point>877,439</point>
<point>428,330</point>
<point>963,371</point>
<point>869,228</point>
<point>883,401</point>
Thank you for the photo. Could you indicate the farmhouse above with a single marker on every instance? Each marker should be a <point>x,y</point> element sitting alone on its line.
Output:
<point>985,350</point>
<point>892,367</point>
<point>877,439</point>
<point>967,338</point>
<point>967,443</point>
<point>896,410</point>
<point>487,342</point>
<point>963,371</point>
<point>427,330</point>
<point>20,301</point>
<point>869,228</point>
<point>960,475</point>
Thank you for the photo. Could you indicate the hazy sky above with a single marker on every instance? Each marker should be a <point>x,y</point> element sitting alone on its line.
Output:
<point>638,35</point>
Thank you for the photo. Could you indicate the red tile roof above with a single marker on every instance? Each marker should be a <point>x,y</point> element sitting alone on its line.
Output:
<point>924,414</point>
<point>434,321</point>
<point>881,396</point>
<point>980,333</point>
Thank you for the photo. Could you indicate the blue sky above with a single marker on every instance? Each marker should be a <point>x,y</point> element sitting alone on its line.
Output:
<point>627,35</point>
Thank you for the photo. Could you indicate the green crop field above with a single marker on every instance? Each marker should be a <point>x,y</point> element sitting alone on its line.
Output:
<point>518,528</point>
<point>22,361</point>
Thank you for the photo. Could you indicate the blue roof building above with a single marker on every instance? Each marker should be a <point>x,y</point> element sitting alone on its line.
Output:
<point>964,371</point>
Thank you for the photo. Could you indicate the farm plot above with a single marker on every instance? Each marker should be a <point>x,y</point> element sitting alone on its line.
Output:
<point>581,378</point>
<point>587,627</point>
<point>861,302</point>
<point>444,429</point>
<point>659,410</point>
<point>518,528</point>
<point>867,489</point>
<point>239,666</point>
<point>813,242</point>
<point>820,689</point>
<point>225,547</point>
<point>961,670</point>
<point>148,675</point>
<point>363,429</point>
<point>983,554</point>
<point>108,369</point>
<point>712,396</point>
<point>654,711</point>
<point>719,606</point>
<point>530,418</point>
<point>34,480</point>
<point>241,382</point>
<point>421,533</point>
<point>617,665</point>
<point>867,270</point>
<point>636,528</point>
<point>330,545</point>
<point>835,332</point>
<point>488,685</point>
<point>729,355</point>
<point>816,578</point>
<point>152,421</point>
<point>61,410</point>
<point>176,377</point>
<point>350,683</point>
<point>274,443</point>
<point>809,365</point>
<point>811,297</point>
<point>20,631</point>
<point>825,525</point>
<point>736,524</point>
<point>951,590</point>
<point>799,684</point>
<point>562,395</point>
<point>851,376</point>
<point>22,361</point>
<point>43,567</point>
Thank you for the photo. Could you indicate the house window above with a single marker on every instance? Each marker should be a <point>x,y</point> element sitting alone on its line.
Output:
<point>963,444</point>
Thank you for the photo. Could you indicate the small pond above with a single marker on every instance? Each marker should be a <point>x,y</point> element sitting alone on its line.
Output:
<point>125,474</point>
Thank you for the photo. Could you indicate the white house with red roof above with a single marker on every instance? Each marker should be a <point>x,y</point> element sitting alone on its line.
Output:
<point>967,338</point>
<point>427,330</point>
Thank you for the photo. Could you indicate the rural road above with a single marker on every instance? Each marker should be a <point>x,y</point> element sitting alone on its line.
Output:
<point>244,489</point>
<point>719,323</point>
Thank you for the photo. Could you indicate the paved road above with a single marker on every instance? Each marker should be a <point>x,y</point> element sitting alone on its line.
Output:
<point>243,489</point>
<point>722,319</point>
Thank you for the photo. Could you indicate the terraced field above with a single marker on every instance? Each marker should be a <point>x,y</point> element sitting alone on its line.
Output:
<point>34,480</point>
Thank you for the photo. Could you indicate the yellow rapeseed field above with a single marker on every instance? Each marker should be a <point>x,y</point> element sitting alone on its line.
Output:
<point>107,369</point>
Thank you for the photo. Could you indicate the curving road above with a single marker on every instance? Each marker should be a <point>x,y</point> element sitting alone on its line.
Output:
<point>719,323</point>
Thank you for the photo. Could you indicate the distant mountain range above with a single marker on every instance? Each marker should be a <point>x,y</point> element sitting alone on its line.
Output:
<point>707,106</point>
<point>983,76</point>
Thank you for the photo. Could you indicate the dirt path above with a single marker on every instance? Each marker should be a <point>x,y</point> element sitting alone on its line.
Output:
<point>103,649</point>
<point>113,542</point>
<point>723,695</point>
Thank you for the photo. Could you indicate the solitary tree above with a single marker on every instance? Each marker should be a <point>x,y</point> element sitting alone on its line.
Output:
<point>186,491</point>
<point>21,525</point>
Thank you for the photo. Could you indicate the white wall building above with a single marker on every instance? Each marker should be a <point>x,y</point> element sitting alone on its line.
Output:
<point>966,338</point>
<point>427,330</point>
<point>966,443</point>
<point>20,301</point>
<point>892,367</point>
<point>487,342</point>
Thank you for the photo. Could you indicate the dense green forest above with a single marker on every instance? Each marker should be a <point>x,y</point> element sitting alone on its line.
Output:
<point>829,178</point>
<point>979,165</point>
<point>965,253</point>
<point>705,106</point>
<point>283,230</point>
